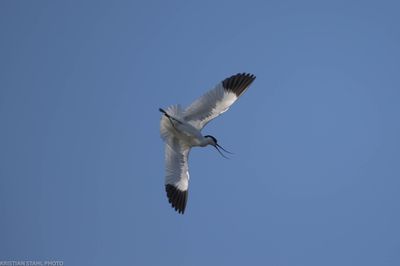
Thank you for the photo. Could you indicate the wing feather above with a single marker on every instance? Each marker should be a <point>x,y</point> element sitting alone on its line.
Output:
<point>177,173</point>
<point>217,100</point>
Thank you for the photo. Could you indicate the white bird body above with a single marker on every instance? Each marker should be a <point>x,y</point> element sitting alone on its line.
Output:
<point>184,131</point>
<point>181,130</point>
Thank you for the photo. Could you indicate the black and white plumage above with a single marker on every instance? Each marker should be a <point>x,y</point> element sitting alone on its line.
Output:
<point>181,130</point>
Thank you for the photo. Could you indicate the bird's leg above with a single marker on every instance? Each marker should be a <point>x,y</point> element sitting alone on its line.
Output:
<point>170,118</point>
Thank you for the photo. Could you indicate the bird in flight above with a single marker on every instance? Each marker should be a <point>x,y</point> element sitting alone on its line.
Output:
<point>181,130</point>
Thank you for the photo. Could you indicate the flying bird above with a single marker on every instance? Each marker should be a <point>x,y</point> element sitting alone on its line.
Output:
<point>181,130</point>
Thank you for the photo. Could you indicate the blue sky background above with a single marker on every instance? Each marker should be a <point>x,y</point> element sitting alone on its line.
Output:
<point>315,175</point>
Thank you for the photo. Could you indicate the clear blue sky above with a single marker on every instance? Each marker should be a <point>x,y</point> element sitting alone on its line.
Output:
<point>315,178</point>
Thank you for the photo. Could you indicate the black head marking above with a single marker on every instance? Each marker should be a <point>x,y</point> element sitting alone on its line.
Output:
<point>209,136</point>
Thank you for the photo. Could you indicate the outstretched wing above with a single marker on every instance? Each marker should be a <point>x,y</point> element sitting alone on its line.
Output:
<point>177,174</point>
<point>217,100</point>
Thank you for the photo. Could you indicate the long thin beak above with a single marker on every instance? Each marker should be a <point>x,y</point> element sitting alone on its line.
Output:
<point>217,147</point>
<point>223,149</point>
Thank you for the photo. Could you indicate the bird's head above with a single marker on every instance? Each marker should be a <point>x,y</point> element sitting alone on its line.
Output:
<point>213,141</point>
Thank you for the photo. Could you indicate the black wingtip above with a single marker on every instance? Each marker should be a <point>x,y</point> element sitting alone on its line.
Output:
<point>238,83</point>
<point>177,198</point>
